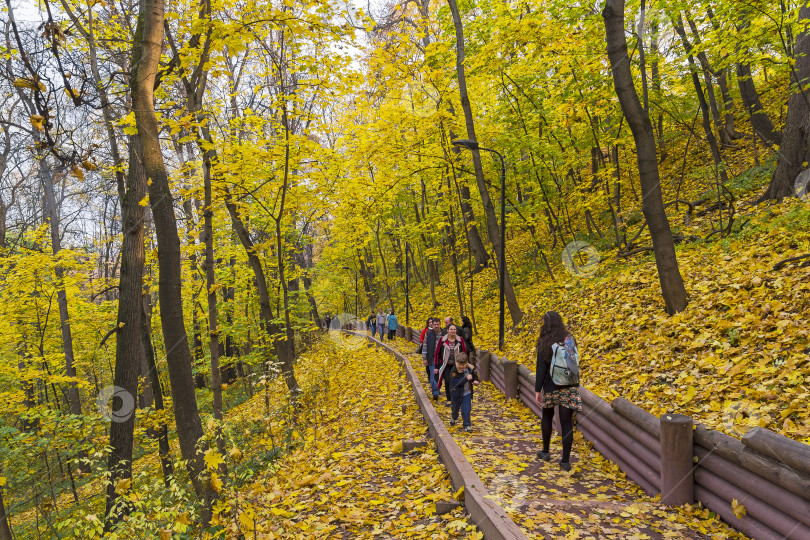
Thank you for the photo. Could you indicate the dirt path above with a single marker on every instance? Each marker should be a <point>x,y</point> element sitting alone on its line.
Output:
<point>594,500</point>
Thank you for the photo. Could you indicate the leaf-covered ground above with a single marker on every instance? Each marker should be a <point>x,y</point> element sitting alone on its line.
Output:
<point>347,479</point>
<point>594,500</point>
<point>739,355</point>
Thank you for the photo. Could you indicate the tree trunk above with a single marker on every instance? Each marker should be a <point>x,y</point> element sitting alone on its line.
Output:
<point>704,106</point>
<point>72,393</point>
<point>492,222</point>
<point>450,234</point>
<point>474,242</point>
<point>722,82</point>
<point>760,121</point>
<point>384,265</point>
<point>214,346</point>
<point>669,275</point>
<point>146,52</point>
<point>707,77</point>
<point>287,343</point>
<point>307,257</point>
<point>5,530</point>
<point>164,451</point>
<point>795,149</point>
<point>129,353</point>
<point>265,309</point>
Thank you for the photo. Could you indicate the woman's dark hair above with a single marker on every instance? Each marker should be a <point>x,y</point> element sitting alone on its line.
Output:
<point>553,331</point>
<point>430,320</point>
<point>466,322</point>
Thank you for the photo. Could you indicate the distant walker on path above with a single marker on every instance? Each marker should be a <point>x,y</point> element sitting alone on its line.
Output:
<point>392,325</point>
<point>381,324</point>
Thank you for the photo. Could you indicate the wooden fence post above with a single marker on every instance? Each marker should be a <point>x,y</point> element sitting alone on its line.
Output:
<point>510,379</point>
<point>483,365</point>
<point>677,476</point>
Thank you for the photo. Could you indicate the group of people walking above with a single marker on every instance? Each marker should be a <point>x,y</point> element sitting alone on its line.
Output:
<point>449,357</point>
<point>383,323</point>
<point>448,354</point>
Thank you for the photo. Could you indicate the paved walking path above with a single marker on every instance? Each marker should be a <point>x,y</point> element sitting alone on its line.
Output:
<point>594,500</point>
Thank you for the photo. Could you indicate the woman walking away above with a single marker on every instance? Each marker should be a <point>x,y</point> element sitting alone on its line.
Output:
<point>549,394</point>
<point>381,324</point>
<point>392,325</point>
<point>432,337</point>
<point>445,358</point>
<point>466,332</point>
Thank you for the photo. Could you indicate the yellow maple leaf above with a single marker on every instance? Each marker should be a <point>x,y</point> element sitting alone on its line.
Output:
<point>213,459</point>
<point>737,508</point>
<point>215,482</point>
<point>123,485</point>
<point>459,495</point>
<point>76,172</point>
<point>38,122</point>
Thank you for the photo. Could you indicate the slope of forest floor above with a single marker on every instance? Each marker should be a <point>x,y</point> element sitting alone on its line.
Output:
<point>736,357</point>
<point>331,468</point>
<point>348,477</point>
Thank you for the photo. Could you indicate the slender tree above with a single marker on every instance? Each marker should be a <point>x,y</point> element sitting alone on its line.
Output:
<point>147,48</point>
<point>492,222</point>
<point>652,203</point>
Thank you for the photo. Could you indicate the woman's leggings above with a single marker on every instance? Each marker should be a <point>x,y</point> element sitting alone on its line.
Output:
<point>566,425</point>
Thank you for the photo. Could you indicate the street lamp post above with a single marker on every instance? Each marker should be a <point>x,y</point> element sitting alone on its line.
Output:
<point>407,280</point>
<point>470,144</point>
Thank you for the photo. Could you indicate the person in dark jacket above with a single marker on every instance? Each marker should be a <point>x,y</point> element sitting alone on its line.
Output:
<point>371,322</point>
<point>446,351</point>
<point>432,337</point>
<point>447,322</point>
<point>463,377</point>
<point>549,395</point>
<point>466,333</point>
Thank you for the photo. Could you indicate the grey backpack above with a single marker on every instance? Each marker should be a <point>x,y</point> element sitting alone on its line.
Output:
<point>564,365</point>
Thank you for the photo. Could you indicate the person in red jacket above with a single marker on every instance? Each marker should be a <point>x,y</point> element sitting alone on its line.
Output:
<point>445,358</point>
